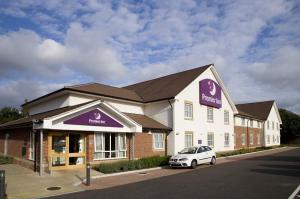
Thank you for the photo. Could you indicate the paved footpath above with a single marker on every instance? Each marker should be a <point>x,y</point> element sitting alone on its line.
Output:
<point>269,174</point>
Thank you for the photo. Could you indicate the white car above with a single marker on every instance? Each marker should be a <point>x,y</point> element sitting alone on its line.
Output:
<point>193,156</point>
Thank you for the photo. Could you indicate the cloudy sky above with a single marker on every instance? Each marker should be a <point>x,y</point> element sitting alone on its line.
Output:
<point>45,45</point>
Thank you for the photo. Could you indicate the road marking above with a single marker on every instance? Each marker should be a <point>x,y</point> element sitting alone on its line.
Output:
<point>294,193</point>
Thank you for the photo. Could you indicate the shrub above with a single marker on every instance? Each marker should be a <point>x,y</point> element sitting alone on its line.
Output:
<point>5,159</point>
<point>245,150</point>
<point>129,165</point>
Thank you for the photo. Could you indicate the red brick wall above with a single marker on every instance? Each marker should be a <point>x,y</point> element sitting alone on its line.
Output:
<point>144,146</point>
<point>239,130</point>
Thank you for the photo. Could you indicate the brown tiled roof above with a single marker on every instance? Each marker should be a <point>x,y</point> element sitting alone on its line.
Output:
<point>259,110</point>
<point>105,90</point>
<point>147,122</point>
<point>166,87</point>
<point>27,121</point>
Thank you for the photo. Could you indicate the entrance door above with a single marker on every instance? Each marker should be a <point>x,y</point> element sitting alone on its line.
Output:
<point>66,150</point>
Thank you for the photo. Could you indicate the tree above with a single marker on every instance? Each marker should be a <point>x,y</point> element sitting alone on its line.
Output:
<point>290,125</point>
<point>9,114</point>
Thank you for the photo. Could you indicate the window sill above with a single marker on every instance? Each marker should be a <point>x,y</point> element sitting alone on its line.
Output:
<point>109,158</point>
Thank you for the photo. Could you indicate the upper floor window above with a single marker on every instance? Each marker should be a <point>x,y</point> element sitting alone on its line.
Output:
<point>226,117</point>
<point>243,121</point>
<point>243,139</point>
<point>251,123</point>
<point>188,110</point>
<point>210,114</point>
<point>268,139</point>
<point>268,125</point>
<point>258,124</point>
<point>272,125</point>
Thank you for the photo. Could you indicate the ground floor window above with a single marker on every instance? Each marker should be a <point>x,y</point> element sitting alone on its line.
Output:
<point>226,140</point>
<point>110,145</point>
<point>158,140</point>
<point>268,139</point>
<point>31,145</point>
<point>278,138</point>
<point>243,141</point>
<point>210,139</point>
<point>274,139</point>
<point>188,139</point>
<point>258,139</point>
<point>251,139</point>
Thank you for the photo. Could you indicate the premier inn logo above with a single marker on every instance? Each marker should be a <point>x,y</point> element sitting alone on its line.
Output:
<point>210,93</point>
<point>96,119</point>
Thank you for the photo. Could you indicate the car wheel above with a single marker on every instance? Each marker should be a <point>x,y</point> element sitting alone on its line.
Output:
<point>213,161</point>
<point>194,164</point>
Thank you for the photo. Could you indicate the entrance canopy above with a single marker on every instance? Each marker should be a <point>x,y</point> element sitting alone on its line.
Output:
<point>94,116</point>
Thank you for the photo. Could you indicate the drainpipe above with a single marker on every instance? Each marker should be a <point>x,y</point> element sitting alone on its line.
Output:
<point>248,133</point>
<point>133,148</point>
<point>41,152</point>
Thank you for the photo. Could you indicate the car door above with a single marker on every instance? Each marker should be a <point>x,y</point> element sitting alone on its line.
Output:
<point>208,154</point>
<point>201,155</point>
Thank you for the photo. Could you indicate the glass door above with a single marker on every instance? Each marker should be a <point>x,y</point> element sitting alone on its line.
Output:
<point>66,150</point>
<point>76,149</point>
<point>58,150</point>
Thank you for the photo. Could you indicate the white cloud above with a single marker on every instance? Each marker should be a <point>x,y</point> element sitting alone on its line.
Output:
<point>132,42</point>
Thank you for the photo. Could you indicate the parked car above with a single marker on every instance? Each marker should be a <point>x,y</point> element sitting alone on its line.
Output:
<point>193,156</point>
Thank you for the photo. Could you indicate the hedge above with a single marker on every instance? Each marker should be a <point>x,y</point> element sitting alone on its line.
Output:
<point>129,165</point>
<point>245,150</point>
<point>5,159</point>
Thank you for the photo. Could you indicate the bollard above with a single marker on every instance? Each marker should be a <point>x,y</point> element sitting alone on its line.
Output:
<point>2,184</point>
<point>88,174</point>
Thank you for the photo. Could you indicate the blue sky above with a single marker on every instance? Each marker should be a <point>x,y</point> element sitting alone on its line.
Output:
<point>45,45</point>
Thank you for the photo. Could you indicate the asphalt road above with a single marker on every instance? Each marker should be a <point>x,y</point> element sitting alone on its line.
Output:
<point>272,176</point>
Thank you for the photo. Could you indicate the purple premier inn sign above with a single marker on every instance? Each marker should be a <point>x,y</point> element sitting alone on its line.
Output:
<point>210,93</point>
<point>94,117</point>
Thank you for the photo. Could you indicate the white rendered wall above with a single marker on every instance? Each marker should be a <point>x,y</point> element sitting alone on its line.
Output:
<point>272,132</point>
<point>48,105</point>
<point>161,112</point>
<point>74,99</point>
<point>199,125</point>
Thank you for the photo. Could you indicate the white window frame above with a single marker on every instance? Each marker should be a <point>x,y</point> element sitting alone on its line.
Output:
<point>226,117</point>
<point>258,139</point>
<point>243,121</point>
<point>210,142</point>
<point>31,145</point>
<point>274,140</point>
<point>117,150</point>
<point>158,146</point>
<point>251,123</point>
<point>268,139</point>
<point>273,126</point>
<point>226,140</point>
<point>268,124</point>
<point>210,114</point>
<point>188,110</point>
<point>243,139</point>
<point>258,124</point>
<point>188,143</point>
<point>251,138</point>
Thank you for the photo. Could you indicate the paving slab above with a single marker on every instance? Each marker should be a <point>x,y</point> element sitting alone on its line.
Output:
<point>24,183</point>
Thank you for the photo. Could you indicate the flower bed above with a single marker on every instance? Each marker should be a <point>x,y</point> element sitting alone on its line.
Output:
<point>5,159</point>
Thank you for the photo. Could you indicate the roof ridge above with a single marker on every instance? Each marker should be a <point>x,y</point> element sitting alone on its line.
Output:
<point>255,102</point>
<point>172,74</point>
<point>78,85</point>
